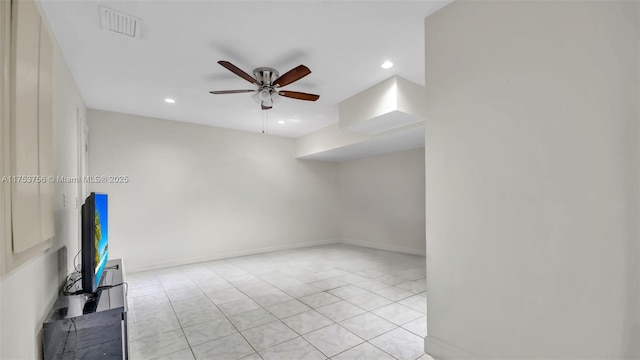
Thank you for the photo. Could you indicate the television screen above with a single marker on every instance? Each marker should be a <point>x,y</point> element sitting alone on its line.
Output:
<point>95,240</point>
<point>101,236</point>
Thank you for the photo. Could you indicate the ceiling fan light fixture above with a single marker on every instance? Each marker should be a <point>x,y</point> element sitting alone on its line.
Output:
<point>275,98</point>
<point>262,96</point>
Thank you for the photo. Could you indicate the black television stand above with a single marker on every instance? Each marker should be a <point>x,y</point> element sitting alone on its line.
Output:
<point>89,326</point>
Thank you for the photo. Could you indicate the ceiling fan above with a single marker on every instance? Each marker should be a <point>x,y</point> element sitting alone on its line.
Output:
<point>269,83</point>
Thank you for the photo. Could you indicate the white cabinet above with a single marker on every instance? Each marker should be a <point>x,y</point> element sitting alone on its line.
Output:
<point>31,124</point>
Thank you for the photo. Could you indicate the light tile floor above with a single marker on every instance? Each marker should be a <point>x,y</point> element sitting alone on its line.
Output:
<point>335,301</point>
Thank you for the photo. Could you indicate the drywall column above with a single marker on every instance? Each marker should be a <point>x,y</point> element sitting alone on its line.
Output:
<point>531,180</point>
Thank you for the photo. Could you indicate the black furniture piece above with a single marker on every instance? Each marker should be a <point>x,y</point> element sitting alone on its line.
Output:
<point>89,327</point>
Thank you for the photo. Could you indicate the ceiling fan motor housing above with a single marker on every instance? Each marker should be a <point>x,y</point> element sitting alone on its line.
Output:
<point>266,75</point>
<point>266,94</point>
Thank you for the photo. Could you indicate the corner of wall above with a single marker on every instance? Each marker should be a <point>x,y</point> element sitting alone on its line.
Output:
<point>441,350</point>
<point>383,246</point>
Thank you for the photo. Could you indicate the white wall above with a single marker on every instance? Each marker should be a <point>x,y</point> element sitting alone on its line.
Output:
<point>382,201</point>
<point>4,117</point>
<point>198,192</point>
<point>27,296</point>
<point>68,107</point>
<point>28,292</point>
<point>632,329</point>
<point>531,186</point>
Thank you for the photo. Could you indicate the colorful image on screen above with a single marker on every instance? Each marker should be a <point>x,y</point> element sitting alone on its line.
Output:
<point>101,236</point>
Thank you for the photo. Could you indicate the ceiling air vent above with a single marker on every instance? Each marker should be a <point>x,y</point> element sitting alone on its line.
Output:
<point>120,23</point>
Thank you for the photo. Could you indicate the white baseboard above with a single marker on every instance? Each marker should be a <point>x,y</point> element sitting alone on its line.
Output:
<point>382,246</point>
<point>441,350</point>
<point>230,254</point>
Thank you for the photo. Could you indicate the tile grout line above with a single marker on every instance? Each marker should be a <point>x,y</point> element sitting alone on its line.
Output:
<point>178,319</point>
<point>365,340</point>
<point>277,318</point>
<point>223,314</point>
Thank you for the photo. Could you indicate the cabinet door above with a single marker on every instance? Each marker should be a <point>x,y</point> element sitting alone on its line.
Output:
<point>46,157</point>
<point>25,201</point>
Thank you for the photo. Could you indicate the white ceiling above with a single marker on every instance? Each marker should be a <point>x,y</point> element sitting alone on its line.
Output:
<point>342,42</point>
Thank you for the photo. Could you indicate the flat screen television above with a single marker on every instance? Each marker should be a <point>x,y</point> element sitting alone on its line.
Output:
<point>95,240</point>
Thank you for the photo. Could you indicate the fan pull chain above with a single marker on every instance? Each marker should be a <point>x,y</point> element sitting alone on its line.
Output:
<point>265,122</point>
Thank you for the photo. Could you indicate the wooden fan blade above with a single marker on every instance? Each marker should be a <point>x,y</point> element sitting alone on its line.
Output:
<point>299,95</point>
<point>236,70</point>
<point>292,75</point>
<point>220,92</point>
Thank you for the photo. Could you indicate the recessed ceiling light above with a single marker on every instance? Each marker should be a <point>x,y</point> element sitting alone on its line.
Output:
<point>169,100</point>
<point>281,122</point>
<point>387,65</point>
